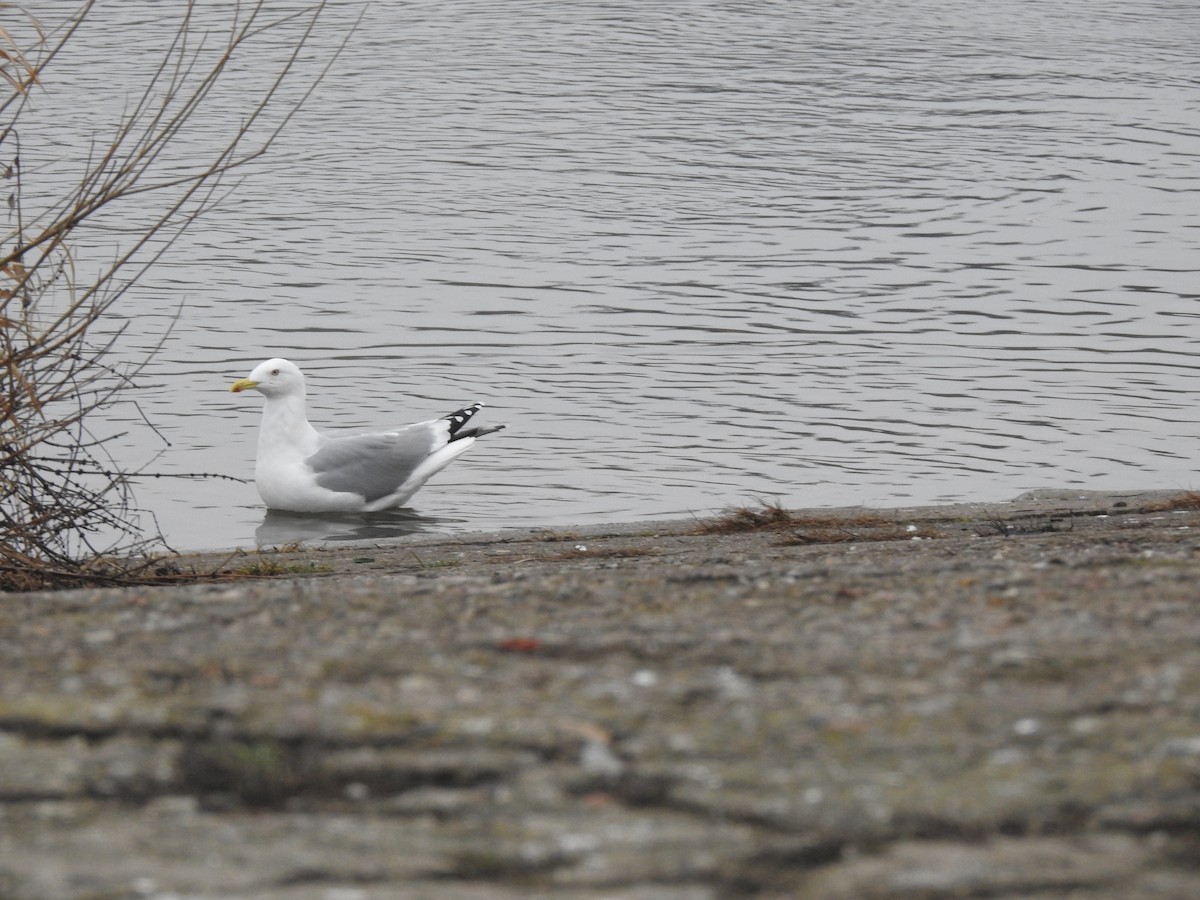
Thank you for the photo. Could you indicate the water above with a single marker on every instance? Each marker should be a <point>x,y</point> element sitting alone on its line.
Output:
<point>698,254</point>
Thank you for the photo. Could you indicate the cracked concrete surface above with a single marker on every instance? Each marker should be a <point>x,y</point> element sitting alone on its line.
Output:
<point>1007,706</point>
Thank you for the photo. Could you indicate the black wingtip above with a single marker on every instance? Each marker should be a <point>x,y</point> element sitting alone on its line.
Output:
<point>461,417</point>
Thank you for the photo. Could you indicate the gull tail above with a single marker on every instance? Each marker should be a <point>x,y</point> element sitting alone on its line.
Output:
<point>459,418</point>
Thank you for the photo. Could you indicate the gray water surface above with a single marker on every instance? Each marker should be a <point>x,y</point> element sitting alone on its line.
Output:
<point>700,253</point>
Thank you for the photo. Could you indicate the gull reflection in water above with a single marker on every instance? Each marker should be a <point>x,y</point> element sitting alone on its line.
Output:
<point>281,528</point>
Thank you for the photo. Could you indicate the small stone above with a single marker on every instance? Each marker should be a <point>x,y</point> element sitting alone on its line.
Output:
<point>644,678</point>
<point>173,805</point>
<point>597,759</point>
<point>1026,727</point>
<point>1181,746</point>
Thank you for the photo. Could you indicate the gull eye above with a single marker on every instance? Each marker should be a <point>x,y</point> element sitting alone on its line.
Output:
<point>274,371</point>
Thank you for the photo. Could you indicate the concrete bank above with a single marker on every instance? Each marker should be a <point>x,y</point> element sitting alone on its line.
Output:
<point>974,701</point>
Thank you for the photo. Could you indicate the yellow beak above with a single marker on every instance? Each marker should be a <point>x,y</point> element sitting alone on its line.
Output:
<point>242,384</point>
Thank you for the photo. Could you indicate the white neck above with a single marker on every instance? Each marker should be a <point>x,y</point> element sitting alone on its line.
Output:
<point>285,427</point>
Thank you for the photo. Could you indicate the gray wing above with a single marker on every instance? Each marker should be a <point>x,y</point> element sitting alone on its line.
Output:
<point>375,465</point>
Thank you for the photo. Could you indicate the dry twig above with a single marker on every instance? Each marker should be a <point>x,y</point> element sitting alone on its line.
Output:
<point>59,489</point>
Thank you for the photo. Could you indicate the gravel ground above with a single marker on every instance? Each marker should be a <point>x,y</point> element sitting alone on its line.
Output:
<point>970,701</point>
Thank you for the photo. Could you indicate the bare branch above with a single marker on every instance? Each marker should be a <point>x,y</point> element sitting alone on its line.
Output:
<point>62,498</point>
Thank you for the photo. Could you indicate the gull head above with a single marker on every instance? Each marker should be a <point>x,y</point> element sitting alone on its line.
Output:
<point>272,378</point>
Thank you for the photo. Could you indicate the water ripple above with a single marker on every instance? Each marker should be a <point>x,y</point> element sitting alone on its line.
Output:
<point>881,253</point>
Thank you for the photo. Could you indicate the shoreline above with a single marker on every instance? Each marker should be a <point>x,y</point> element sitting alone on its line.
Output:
<point>1049,502</point>
<point>968,700</point>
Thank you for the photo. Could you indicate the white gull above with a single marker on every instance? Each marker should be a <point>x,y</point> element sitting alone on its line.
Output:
<point>299,469</point>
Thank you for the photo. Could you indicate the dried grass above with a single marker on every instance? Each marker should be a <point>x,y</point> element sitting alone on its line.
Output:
<point>1189,500</point>
<point>813,528</point>
<point>767,516</point>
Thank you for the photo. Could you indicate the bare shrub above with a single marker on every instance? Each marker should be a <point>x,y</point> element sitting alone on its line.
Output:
<point>59,333</point>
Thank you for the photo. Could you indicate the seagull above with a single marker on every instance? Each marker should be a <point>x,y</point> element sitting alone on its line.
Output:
<point>299,469</point>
